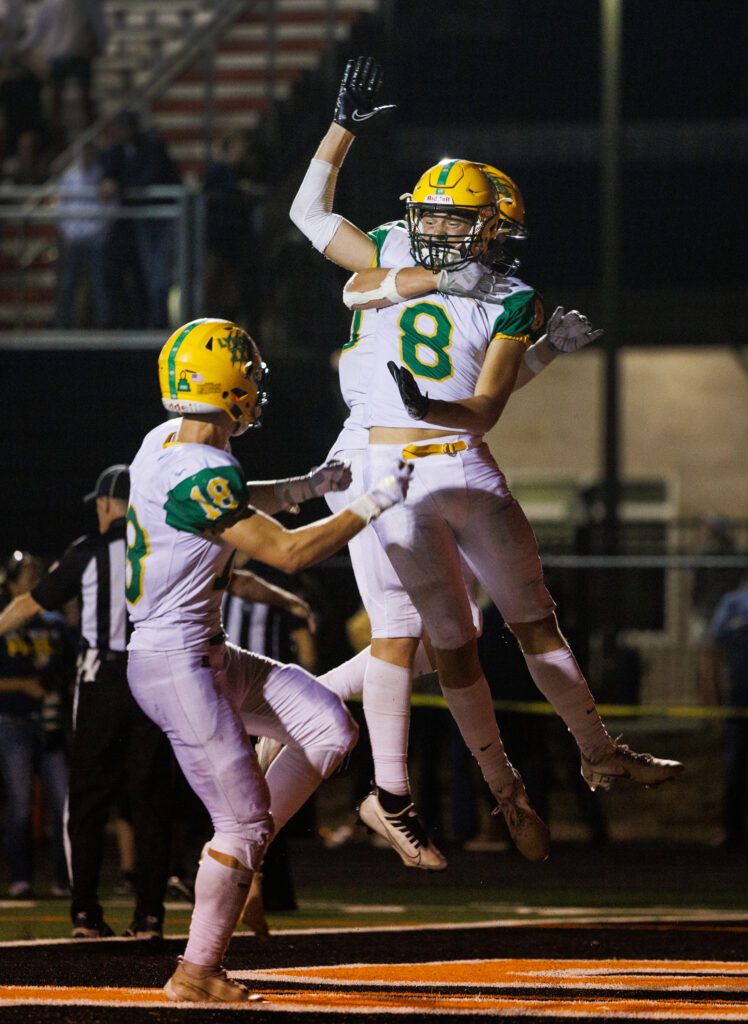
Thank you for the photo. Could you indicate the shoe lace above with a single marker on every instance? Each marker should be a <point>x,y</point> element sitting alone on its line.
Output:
<point>406,821</point>
<point>631,755</point>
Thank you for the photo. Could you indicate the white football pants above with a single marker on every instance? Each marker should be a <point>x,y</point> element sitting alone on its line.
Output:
<point>208,701</point>
<point>459,507</point>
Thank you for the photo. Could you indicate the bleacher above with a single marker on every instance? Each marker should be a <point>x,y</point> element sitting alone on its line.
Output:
<point>195,71</point>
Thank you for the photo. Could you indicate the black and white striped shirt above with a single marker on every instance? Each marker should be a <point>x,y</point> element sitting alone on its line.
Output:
<point>93,567</point>
<point>260,628</point>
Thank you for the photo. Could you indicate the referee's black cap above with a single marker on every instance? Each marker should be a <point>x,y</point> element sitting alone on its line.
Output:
<point>113,482</point>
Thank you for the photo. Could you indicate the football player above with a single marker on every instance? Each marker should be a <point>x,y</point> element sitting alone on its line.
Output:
<point>190,509</point>
<point>470,341</point>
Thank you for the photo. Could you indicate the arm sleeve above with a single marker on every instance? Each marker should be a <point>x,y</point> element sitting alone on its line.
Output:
<point>311,210</point>
<point>62,581</point>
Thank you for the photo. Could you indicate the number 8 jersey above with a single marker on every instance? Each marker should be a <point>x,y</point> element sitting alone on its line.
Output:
<point>177,563</point>
<point>441,339</point>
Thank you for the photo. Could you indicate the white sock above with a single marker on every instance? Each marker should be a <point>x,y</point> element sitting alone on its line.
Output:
<point>472,709</point>
<point>559,678</point>
<point>220,892</point>
<point>387,712</point>
<point>347,680</point>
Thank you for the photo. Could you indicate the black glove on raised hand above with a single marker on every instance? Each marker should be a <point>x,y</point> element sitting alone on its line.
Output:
<point>358,88</point>
<point>416,403</point>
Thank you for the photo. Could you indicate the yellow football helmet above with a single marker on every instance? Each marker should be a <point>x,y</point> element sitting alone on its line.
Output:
<point>459,189</point>
<point>511,221</point>
<point>209,365</point>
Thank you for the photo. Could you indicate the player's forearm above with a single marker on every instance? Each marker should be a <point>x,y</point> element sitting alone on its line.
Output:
<point>297,549</point>
<point>477,414</point>
<point>19,611</point>
<point>378,287</point>
<point>535,360</point>
<point>264,497</point>
<point>250,587</point>
<point>334,146</point>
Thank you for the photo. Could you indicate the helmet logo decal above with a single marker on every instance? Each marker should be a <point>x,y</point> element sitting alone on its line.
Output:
<point>236,343</point>
<point>440,198</point>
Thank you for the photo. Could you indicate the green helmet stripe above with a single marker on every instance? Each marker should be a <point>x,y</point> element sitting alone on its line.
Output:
<point>173,356</point>
<point>444,173</point>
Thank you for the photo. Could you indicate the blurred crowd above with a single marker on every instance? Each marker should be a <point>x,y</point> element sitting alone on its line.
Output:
<point>116,226</point>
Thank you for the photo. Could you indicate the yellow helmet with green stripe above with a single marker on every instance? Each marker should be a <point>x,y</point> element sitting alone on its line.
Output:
<point>511,221</point>
<point>510,202</point>
<point>459,196</point>
<point>213,365</point>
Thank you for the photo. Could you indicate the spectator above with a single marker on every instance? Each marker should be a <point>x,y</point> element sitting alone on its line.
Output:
<point>20,87</point>
<point>138,159</point>
<point>729,629</point>
<point>30,165</point>
<point>32,685</point>
<point>234,188</point>
<point>84,242</point>
<point>69,34</point>
<point>710,583</point>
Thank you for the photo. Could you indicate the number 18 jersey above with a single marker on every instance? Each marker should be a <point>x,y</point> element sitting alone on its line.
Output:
<point>178,565</point>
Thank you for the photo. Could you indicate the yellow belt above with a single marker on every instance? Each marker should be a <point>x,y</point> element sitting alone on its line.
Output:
<point>419,451</point>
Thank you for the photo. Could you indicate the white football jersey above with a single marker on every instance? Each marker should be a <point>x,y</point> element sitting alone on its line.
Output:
<point>358,355</point>
<point>176,572</point>
<point>441,339</point>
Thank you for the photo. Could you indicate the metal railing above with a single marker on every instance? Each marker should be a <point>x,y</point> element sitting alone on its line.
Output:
<point>24,209</point>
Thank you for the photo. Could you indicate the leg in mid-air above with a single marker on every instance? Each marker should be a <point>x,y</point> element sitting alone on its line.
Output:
<point>383,674</point>
<point>500,546</point>
<point>422,547</point>
<point>305,731</point>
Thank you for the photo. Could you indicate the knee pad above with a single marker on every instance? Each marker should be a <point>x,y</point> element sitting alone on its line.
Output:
<point>246,849</point>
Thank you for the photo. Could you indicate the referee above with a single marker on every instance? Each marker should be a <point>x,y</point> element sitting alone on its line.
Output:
<point>116,747</point>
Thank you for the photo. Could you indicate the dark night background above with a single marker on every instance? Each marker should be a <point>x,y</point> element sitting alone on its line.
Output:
<point>515,84</point>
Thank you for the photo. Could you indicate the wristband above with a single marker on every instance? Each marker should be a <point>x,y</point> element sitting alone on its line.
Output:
<point>386,289</point>
<point>365,508</point>
<point>533,357</point>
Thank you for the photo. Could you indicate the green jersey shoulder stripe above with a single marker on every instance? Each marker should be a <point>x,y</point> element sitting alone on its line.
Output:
<point>214,495</point>
<point>517,315</point>
<point>378,236</point>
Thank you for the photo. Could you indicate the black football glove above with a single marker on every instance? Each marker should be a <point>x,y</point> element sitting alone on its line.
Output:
<point>358,88</point>
<point>414,401</point>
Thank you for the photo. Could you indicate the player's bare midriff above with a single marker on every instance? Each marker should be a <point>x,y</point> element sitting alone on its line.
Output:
<point>399,435</point>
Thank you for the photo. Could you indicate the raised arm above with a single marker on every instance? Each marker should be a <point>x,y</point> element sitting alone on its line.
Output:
<point>312,207</point>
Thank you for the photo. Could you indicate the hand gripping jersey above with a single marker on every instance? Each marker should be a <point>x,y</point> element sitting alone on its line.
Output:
<point>441,339</point>
<point>177,563</point>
